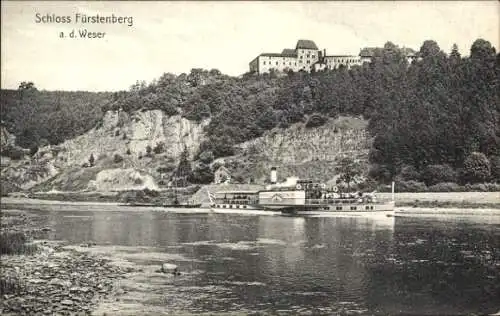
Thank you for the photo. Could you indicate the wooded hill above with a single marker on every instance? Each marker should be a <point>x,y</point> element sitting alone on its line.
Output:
<point>436,120</point>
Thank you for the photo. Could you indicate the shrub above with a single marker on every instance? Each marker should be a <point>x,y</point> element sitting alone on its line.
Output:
<point>117,133</point>
<point>148,150</point>
<point>315,120</point>
<point>445,187</point>
<point>13,152</point>
<point>495,168</point>
<point>408,172</point>
<point>117,158</point>
<point>10,285</point>
<point>380,173</point>
<point>201,174</point>
<point>492,187</point>
<point>434,174</point>
<point>206,157</point>
<point>33,150</point>
<point>14,243</point>
<point>138,181</point>
<point>151,193</point>
<point>128,152</point>
<point>479,187</point>
<point>159,148</point>
<point>476,168</point>
<point>367,185</point>
<point>410,186</point>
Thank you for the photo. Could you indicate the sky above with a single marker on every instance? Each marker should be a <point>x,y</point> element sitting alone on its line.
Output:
<point>178,36</point>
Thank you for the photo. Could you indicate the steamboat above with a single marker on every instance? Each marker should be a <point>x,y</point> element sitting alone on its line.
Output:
<point>300,197</point>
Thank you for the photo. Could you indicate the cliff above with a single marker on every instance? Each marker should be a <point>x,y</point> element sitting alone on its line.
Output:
<point>120,142</point>
<point>119,146</point>
<point>302,152</point>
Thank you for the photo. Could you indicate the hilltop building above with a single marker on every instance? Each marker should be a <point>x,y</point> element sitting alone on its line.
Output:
<point>303,57</point>
<point>306,57</point>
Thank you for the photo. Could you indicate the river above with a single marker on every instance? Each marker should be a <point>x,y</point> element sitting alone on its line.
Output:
<point>292,265</point>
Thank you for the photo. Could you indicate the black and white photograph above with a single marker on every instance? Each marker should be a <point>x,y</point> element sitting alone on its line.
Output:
<point>250,158</point>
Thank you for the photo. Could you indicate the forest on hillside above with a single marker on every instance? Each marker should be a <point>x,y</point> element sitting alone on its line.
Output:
<point>38,118</point>
<point>436,120</point>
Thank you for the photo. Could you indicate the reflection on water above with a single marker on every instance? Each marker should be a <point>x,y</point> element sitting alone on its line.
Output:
<point>295,265</point>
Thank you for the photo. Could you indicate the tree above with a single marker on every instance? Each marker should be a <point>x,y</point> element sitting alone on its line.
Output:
<point>202,174</point>
<point>476,168</point>
<point>482,49</point>
<point>23,86</point>
<point>117,158</point>
<point>183,171</point>
<point>159,148</point>
<point>206,157</point>
<point>495,168</point>
<point>429,49</point>
<point>91,160</point>
<point>434,174</point>
<point>455,54</point>
<point>348,170</point>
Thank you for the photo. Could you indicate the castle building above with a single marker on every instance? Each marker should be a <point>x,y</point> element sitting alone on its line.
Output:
<point>306,57</point>
<point>303,57</point>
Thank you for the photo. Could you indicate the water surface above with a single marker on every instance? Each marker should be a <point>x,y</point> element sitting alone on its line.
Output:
<point>287,265</point>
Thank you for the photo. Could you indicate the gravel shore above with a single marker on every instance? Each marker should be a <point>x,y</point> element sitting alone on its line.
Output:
<point>53,280</point>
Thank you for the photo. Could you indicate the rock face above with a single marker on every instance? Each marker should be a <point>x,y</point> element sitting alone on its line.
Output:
<point>123,179</point>
<point>299,144</point>
<point>121,131</point>
<point>123,135</point>
<point>27,173</point>
<point>303,152</point>
<point>129,148</point>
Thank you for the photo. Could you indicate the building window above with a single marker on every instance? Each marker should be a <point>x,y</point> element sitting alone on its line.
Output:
<point>276,63</point>
<point>295,63</point>
<point>264,63</point>
<point>308,62</point>
<point>312,55</point>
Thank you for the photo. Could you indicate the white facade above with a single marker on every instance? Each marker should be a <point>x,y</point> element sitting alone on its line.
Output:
<point>302,57</point>
<point>306,56</point>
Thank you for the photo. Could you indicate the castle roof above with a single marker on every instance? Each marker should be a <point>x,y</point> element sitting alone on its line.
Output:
<point>285,53</point>
<point>306,44</point>
<point>271,54</point>
<point>289,52</point>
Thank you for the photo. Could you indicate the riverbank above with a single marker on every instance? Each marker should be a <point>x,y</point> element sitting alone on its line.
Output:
<point>443,199</point>
<point>51,279</point>
<point>448,204</point>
